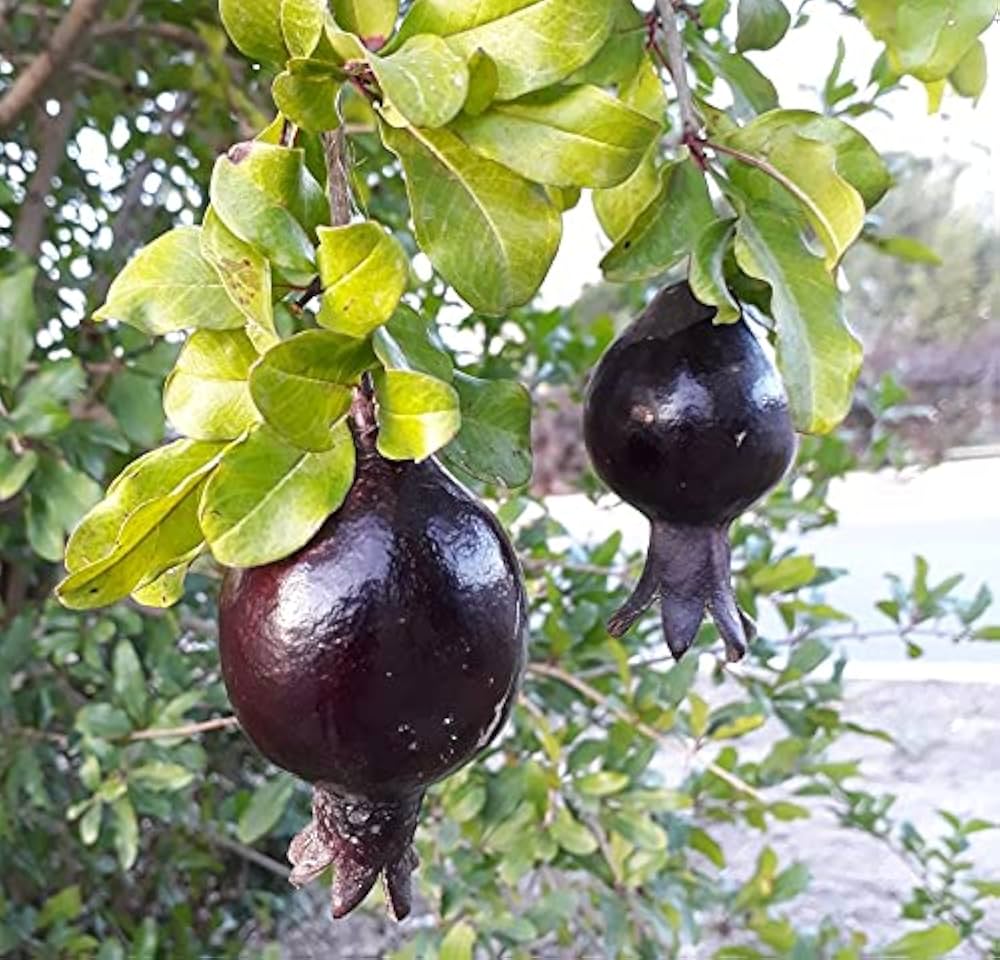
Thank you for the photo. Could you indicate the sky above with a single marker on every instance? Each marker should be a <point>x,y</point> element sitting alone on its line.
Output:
<point>803,59</point>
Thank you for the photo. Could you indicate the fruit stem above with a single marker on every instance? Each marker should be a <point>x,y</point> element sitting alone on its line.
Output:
<point>364,422</point>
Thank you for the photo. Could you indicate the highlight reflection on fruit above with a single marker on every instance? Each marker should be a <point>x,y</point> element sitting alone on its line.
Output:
<point>377,660</point>
<point>688,422</point>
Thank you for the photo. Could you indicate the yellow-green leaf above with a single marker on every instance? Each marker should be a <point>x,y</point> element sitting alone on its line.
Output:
<point>267,499</point>
<point>707,276</point>
<point>246,275</point>
<point>364,271</point>
<point>565,136</point>
<point>666,231</point>
<point>266,196</point>
<point>969,76</point>
<point>308,100</point>
<point>207,396</point>
<point>372,20</point>
<point>302,25</point>
<point>169,286</point>
<point>818,355</point>
<point>490,233</point>
<point>417,414</point>
<point>425,82</point>
<point>255,27</point>
<point>302,387</point>
<point>534,43</point>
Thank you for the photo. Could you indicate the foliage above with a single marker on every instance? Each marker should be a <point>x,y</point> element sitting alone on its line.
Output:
<point>134,820</point>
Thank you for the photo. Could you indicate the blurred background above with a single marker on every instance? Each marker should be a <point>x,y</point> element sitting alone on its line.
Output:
<point>135,822</point>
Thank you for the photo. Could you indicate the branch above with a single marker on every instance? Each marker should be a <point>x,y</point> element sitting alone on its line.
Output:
<point>54,133</point>
<point>171,32</point>
<point>690,121</point>
<point>664,739</point>
<point>247,853</point>
<point>31,82</point>
<point>338,182</point>
<point>189,730</point>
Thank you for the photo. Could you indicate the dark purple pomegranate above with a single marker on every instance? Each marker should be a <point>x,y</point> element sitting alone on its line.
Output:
<point>377,660</point>
<point>688,422</point>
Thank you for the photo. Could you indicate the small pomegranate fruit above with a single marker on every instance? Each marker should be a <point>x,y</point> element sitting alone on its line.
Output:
<point>377,660</point>
<point>688,422</point>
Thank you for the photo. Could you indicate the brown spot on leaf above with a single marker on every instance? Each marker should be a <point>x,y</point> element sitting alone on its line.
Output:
<point>240,151</point>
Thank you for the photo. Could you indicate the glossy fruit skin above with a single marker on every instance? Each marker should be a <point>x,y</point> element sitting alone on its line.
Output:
<point>688,422</point>
<point>685,420</point>
<point>378,659</point>
<point>387,652</point>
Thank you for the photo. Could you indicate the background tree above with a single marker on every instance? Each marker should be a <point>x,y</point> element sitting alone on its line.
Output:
<point>134,819</point>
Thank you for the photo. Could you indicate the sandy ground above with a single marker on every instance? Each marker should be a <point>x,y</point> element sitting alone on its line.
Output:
<point>947,756</point>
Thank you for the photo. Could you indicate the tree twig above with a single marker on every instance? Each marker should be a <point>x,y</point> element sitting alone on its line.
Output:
<point>32,81</point>
<point>690,121</point>
<point>53,134</point>
<point>668,740</point>
<point>188,730</point>
<point>338,181</point>
<point>246,852</point>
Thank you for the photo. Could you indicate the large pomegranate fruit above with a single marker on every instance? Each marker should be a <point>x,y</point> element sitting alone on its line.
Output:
<point>688,422</point>
<point>377,660</point>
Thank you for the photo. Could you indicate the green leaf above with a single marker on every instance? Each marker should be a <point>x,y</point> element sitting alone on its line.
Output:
<point>61,907</point>
<point>207,396</point>
<point>617,208</point>
<point>15,471</point>
<point>137,404</point>
<point>534,43</point>
<point>168,286</point>
<point>128,680</point>
<point>459,943</point>
<point>266,196</point>
<point>126,832</point>
<point>310,102</point>
<point>619,58</point>
<point>267,499</point>
<point>166,590</point>
<point>790,573</point>
<point>969,76</point>
<point>818,355</point>
<point>908,249</point>
<point>707,275</point>
<point>461,202</point>
<point>18,319</point>
<point>805,658</point>
<point>564,136</point>
<point>409,342</point>
<point>927,38</point>
<point>855,159</point>
<point>144,481</point>
<point>146,525</point>
<point>807,170</point>
<point>246,275</point>
<point>425,82</point>
<point>369,19</point>
<point>604,783</point>
<point>738,727</point>
<point>483,82</point>
<point>302,25</point>
<point>762,24</point>
<point>364,271</point>
<point>102,721</point>
<point>159,776</point>
<point>640,831</point>
<point>58,495</point>
<point>494,442</point>
<point>666,230</point>
<point>302,387</point>
<point>266,807</point>
<point>417,414</point>
<point>255,28</point>
<point>927,944</point>
<point>753,93</point>
<point>90,824</point>
<point>987,633</point>
<point>572,835</point>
